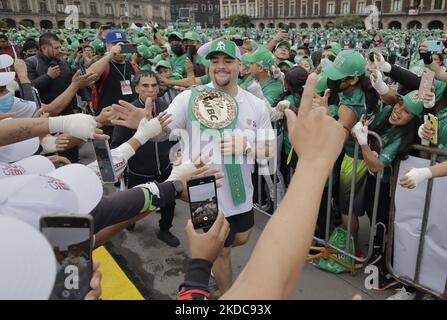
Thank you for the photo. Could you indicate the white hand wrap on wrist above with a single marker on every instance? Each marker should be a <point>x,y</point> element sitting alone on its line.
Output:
<point>379,85</point>
<point>431,104</point>
<point>81,126</point>
<point>147,130</point>
<point>361,133</point>
<point>48,144</point>
<point>125,151</point>
<point>419,175</point>
<point>185,169</point>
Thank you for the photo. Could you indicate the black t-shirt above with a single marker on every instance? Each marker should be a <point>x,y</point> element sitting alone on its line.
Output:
<point>111,91</point>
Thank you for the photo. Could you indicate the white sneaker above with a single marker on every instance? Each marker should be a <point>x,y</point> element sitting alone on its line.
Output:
<point>402,294</point>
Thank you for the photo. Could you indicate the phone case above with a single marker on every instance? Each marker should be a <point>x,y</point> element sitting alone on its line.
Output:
<point>426,82</point>
<point>434,46</point>
<point>433,121</point>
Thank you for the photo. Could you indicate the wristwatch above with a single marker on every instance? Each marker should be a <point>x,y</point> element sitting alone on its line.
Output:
<point>178,186</point>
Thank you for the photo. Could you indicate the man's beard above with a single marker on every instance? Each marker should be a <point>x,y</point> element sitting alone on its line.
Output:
<point>223,83</point>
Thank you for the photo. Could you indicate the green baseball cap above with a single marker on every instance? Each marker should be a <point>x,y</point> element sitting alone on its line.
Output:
<point>146,68</point>
<point>321,83</point>
<point>335,48</point>
<point>175,34</point>
<point>245,59</point>
<point>413,103</point>
<point>156,60</point>
<point>283,43</point>
<point>155,49</point>
<point>263,57</point>
<point>144,51</point>
<point>348,63</point>
<point>191,35</point>
<point>287,62</point>
<point>224,46</point>
<point>164,64</point>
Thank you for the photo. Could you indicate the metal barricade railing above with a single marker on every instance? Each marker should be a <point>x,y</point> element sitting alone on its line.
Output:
<point>434,153</point>
<point>328,251</point>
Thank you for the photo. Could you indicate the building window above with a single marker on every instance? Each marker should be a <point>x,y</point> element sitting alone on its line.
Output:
<point>281,8</point>
<point>261,8</point>
<point>252,9</point>
<point>203,7</point>
<point>217,8</point>
<point>24,5</point>
<point>292,8</point>
<point>210,8</point>
<point>196,7</point>
<point>122,9</point>
<point>304,8</point>
<point>42,7</point>
<point>108,10</point>
<point>345,8</point>
<point>60,6</point>
<point>93,8</point>
<point>226,12</point>
<point>234,8</point>
<point>438,4</point>
<point>397,5</point>
<point>330,8</point>
<point>270,9</point>
<point>4,5</point>
<point>360,7</point>
<point>78,5</point>
<point>137,11</point>
<point>379,5</point>
<point>242,8</point>
<point>316,7</point>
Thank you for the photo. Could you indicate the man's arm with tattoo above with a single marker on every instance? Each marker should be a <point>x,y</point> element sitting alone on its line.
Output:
<point>16,130</point>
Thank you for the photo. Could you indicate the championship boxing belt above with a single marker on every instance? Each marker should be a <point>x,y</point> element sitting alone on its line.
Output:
<point>216,111</point>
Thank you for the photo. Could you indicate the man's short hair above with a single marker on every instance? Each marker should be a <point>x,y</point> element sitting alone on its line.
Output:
<point>3,36</point>
<point>305,49</point>
<point>141,74</point>
<point>45,39</point>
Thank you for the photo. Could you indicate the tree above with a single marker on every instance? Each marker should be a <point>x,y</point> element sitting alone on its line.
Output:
<point>239,20</point>
<point>349,21</point>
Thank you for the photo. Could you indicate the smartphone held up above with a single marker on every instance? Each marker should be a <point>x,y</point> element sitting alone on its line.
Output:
<point>203,204</point>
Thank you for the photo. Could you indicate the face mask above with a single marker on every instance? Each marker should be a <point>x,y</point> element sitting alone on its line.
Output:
<point>334,85</point>
<point>298,59</point>
<point>178,50</point>
<point>325,63</point>
<point>6,103</point>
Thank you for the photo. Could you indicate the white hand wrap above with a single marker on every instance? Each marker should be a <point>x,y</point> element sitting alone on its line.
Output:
<point>419,175</point>
<point>81,126</point>
<point>382,65</point>
<point>124,151</point>
<point>361,133</point>
<point>379,85</point>
<point>147,130</point>
<point>424,141</point>
<point>48,144</point>
<point>430,104</point>
<point>185,169</point>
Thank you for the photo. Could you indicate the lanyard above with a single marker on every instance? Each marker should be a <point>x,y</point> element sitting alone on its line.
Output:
<point>122,75</point>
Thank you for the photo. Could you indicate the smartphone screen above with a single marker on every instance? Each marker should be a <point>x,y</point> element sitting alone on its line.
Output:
<point>71,239</point>
<point>426,82</point>
<point>105,162</point>
<point>203,201</point>
<point>433,121</point>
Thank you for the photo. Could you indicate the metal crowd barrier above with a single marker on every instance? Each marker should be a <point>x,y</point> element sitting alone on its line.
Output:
<point>327,250</point>
<point>434,153</point>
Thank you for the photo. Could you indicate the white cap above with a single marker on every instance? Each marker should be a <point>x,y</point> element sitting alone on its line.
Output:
<point>19,151</point>
<point>72,189</point>
<point>6,77</point>
<point>31,165</point>
<point>28,267</point>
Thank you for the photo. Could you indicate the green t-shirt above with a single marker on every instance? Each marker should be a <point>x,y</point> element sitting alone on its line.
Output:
<point>272,90</point>
<point>356,101</point>
<point>178,63</point>
<point>442,132</point>
<point>246,82</point>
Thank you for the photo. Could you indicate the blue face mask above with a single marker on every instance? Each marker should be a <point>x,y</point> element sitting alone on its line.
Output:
<point>298,59</point>
<point>325,63</point>
<point>6,103</point>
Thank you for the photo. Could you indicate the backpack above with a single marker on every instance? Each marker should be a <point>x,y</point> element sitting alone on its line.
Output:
<point>98,89</point>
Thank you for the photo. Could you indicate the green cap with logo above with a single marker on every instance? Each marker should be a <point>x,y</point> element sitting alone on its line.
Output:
<point>175,34</point>
<point>263,57</point>
<point>335,48</point>
<point>287,62</point>
<point>164,64</point>
<point>155,49</point>
<point>144,51</point>
<point>245,59</point>
<point>192,35</point>
<point>321,83</point>
<point>283,43</point>
<point>348,63</point>
<point>413,103</point>
<point>224,46</point>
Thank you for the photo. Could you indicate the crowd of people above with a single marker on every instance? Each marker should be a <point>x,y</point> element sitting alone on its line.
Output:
<point>321,90</point>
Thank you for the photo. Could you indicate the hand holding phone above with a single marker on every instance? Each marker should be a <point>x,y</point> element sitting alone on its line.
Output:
<point>105,161</point>
<point>72,240</point>
<point>426,83</point>
<point>434,46</point>
<point>433,122</point>
<point>203,204</point>
<point>128,48</point>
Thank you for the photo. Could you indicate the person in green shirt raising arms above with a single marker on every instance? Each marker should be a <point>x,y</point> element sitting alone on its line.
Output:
<point>346,77</point>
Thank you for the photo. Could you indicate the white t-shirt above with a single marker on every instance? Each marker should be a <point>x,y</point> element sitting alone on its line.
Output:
<point>253,119</point>
<point>23,108</point>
